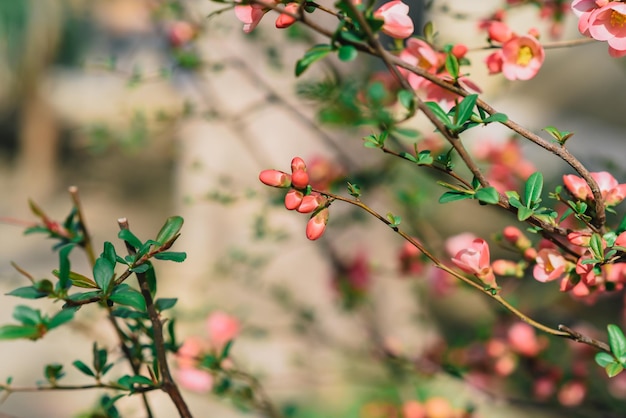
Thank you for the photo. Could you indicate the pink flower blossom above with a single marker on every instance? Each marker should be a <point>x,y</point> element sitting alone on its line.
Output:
<point>194,379</point>
<point>222,328</point>
<point>522,57</point>
<point>420,54</point>
<point>579,238</point>
<point>475,260</point>
<point>284,21</point>
<point>317,225</point>
<point>397,24</point>
<point>612,192</point>
<point>583,9</point>
<point>499,32</point>
<point>550,265</point>
<point>523,340</point>
<point>410,259</point>
<point>608,23</point>
<point>250,15</point>
<point>572,393</point>
<point>621,240</point>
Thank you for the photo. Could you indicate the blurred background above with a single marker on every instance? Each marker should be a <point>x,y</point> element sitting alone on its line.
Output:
<point>155,108</point>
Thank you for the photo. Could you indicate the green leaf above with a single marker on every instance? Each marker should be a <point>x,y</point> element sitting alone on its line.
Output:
<point>14,332</point>
<point>424,157</point>
<point>130,238</point>
<point>83,368</point>
<point>76,297</point>
<point>79,280</point>
<point>61,318</point>
<point>465,109</point>
<point>452,65</point>
<point>64,266</point>
<point>27,292</point>
<point>617,341</point>
<point>126,295</point>
<point>533,188</point>
<point>162,304</point>
<point>595,244</point>
<point>524,213</point>
<point>604,359</point>
<point>347,53</point>
<point>99,357</point>
<point>408,156</point>
<point>178,257</point>
<point>451,196</point>
<point>27,315</point>
<point>109,253</point>
<point>622,226</point>
<point>316,53</point>
<point>354,190</point>
<point>407,99</point>
<point>496,117</point>
<point>488,195</point>
<point>226,350</point>
<point>170,229</point>
<point>103,272</point>
<point>439,112</point>
<point>141,268</point>
<point>150,276</point>
<point>613,369</point>
<point>53,372</point>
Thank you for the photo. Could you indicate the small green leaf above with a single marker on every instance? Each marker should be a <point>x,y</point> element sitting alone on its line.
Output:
<point>533,189</point>
<point>103,273</point>
<point>130,238</point>
<point>27,292</point>
<point>109,253</point>
<point>451,196</point>
<point>408,156</point>
<point>452,65</point>
<point>604,359</point>
<point>617,341</point>
<point>14,332</point>
<point>524,213</point>
<point>61,318</point>
<point>83,368</point>
<point>64,266</point>
<point>496,117</point>
<point>170,229</point>
<point>226,350</point>
<point>465,108</point>
<point>178,257</point>
<point>347,53</point>
<point>407,99</point>
<point>354,190</point>
<point>53,372</point>
<point>595,244</point>
<point>613,369</point>
<point>488,195</point>
<point>424,157</point>
<point>27,315</point>
<point>141,268</point>
<point>162,304</point>
<point>79,280</point>
<point>126,295</point>
<point>316,53</point>
<point>439,112</point>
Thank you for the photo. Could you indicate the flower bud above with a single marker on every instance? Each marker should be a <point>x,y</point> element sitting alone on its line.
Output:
<point>311,202</point>
<point>459,50</point>
<point>284,21</point>
<point>275,178</point>
<point>293,198</point>
<point>299,179</point>
<point>317,225</point>
<point>298,164</point>
<point>500,32</point>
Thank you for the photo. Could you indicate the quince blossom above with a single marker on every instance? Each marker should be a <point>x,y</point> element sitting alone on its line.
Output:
<point>605,21</point>
<point>398,23</point>
<point>520,58</point>
<point>475,260</point>
<point>612,192</point>
<point>550,265</point>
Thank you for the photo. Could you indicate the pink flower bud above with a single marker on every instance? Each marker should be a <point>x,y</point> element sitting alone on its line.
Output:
<point>507,268</point>
<point>293,198</point>
<point>475,260</point>
<point>317,225</point>
<point>534,32</point>
<point>459,50</point>
<point>398,23</point>
<point>299,179</point>
<point>298,164</point>
<point>577,187</point>
<point>180,33</point>
<point>579,238</point>
<point>311,202</point>
<point>284,21</point>
<point>195,380</point>
<point>494,62</point>
<point>621,240</point>
<point>499,32</point>
<point>275,178</point>
<point>222,328</point>
<point>572,393</point>
<point>523,339</point>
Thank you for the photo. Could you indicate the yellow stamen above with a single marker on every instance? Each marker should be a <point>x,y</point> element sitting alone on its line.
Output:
<point>524,55</point>
<point>617,19</point>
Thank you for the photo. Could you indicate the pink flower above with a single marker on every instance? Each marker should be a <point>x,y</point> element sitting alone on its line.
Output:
<point>475,260</point>
<point>397,24</point>
<point>612,192</point>
<point>275,178</point>
<point>317,225</point>
<point>250,15</point>
<point>222,328</point>
<point>459,50</point>
<point>311,202</point>
<point>523,339</point>
<point>608,24</point>
<point>583,9</point>
<point>293,199</point>
<point>499,32</point>
<point>494,62</point>
<point>419,54</point>
<point>410,259</point>
<point>189,353</point>
<point>458,242</point>
<point>195,380</point>
<point>550,265</point>
<point>522,58</point>
<point>284,21</point>
<point>621,240</point>
<point>579,238</point>
<point>572,393</point>
<point>577,187</point>
<point>413,409</point>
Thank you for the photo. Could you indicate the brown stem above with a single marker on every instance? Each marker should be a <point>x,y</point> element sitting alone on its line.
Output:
<point>11,389</point>
<point>562,330</point>
<point>168,384</point>
<point>73,190</point>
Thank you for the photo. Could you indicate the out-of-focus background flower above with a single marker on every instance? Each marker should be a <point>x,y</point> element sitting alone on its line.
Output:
<point>156,107</point>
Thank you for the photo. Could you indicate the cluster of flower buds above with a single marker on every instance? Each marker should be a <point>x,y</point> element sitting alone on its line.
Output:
<point>300,197</point>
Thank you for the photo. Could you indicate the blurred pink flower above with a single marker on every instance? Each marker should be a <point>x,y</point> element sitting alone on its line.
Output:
<point>499,32</point>
<point>523,340</point>
<point>420,54</point>
<point>222,328</point>
<point>398,24</point>
<point>195,379</point>
<point>456,243</point>
<point>572,393</point>
<point>413,409</point>
<point>250,15</point>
